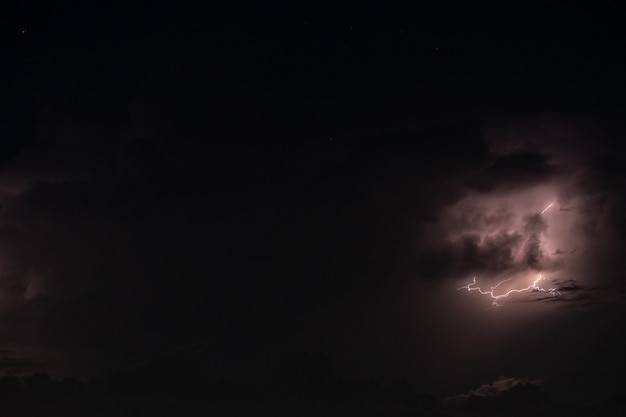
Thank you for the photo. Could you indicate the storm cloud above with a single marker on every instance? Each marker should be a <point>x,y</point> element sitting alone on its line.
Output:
<point>503,394</point>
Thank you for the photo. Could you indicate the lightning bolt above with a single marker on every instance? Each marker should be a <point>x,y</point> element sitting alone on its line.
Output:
<point>546,209</point>
<point>472,286</point>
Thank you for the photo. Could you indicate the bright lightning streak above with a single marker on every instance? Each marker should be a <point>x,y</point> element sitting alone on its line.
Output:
<point>497,297</point>
<point>546,209</point>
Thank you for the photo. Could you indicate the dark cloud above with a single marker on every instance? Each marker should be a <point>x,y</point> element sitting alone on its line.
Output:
<point>490,253</point>
<point>477,219</point>
<point>503,394</point>
<point>569,285</point>
<point>562,252</point>
<point>472,254</point>
<point>534,227</point>
<point>513,171</point>
<point>573,295</point>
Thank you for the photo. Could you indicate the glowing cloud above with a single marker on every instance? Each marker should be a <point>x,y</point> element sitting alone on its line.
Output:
<point>534,252</point>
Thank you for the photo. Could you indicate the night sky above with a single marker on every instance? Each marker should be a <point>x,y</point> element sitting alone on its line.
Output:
<point>295,198</point>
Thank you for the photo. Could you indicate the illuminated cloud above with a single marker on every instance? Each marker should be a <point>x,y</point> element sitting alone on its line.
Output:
<point>503,393</point>
<point>542,205</point>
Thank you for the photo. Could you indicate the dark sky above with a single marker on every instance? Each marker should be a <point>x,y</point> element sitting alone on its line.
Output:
<point>244,181</point>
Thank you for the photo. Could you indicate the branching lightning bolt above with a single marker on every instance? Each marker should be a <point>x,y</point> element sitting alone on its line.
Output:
<point>497,297</point>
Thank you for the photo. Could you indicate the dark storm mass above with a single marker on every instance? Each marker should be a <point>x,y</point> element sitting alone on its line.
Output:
<point>237,208</point>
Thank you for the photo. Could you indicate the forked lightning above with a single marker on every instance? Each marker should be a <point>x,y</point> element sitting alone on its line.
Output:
<point>497,297</point>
